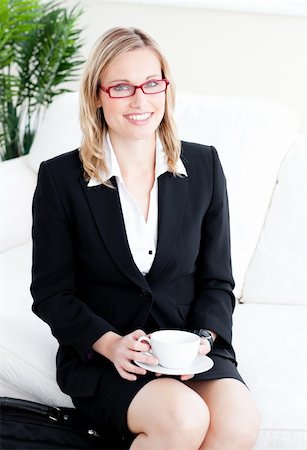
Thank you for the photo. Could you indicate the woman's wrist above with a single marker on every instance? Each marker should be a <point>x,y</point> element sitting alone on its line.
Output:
<point>209,335</point>
<point>213,334</point>
<point>104,344</point>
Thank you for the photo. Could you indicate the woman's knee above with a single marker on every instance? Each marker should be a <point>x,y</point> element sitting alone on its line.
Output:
<point>244,432</point>
<point>176,412</point>
<point>251,424</point>
<point>187,416</point>
<point>237,432</point>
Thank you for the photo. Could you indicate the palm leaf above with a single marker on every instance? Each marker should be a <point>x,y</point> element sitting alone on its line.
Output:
<point>17,18</point>
<point>40,44</point>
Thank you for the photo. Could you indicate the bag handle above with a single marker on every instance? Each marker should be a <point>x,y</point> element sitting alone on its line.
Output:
<point>52,412</point>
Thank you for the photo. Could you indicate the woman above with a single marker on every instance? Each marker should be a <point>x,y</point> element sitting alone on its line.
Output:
<point>131,235</point>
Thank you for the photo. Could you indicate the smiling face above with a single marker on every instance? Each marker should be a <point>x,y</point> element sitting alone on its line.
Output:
<point>136,117</point>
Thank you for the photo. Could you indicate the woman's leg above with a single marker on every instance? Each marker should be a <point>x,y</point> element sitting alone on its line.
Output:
<point>167,414</point>
<point>234,420</point>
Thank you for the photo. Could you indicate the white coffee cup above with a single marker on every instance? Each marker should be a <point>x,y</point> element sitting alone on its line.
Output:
<point>174,349</point>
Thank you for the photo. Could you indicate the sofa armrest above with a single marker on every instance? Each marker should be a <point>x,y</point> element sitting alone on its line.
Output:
<point>277,272</point>
<point>17,184</point>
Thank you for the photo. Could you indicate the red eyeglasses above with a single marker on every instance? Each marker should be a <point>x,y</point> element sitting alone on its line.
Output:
<point>123,90</point>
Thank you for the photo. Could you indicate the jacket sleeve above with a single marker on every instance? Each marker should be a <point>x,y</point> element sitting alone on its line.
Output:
<point>53,289</point>
<point>214,302</point>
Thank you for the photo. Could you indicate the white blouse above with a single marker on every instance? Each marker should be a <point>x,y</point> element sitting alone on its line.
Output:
<point>141,234</point>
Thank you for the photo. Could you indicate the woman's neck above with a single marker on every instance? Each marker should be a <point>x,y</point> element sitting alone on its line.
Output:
<point>136,160</point>
<point>138,154</point>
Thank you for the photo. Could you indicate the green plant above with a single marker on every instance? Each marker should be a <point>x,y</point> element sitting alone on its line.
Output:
<point>39,52</point>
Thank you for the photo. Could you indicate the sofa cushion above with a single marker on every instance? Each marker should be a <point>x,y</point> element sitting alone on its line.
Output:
<point>271,343</point>
<point>276,272</point>
<point>59,131</point>
<point>251,136</point>
<point>17,184</point>
<point>27,348</point>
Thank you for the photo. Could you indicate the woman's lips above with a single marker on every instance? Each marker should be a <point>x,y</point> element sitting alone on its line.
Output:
<point>138,118</point>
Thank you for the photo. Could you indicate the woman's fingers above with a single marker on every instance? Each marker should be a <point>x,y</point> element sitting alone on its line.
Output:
<point>144,358</point>
<point>126,375</point>
<point>139,346</point>
<point>129,349</point>
<point>129,371</point>
<point>204,347</point>
<point>132,368</point>
<point>137,334</point>
<point>186,377</point>
<point>135,344</point>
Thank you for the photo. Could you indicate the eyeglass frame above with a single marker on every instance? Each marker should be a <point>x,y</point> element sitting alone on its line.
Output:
<point>140,86</point>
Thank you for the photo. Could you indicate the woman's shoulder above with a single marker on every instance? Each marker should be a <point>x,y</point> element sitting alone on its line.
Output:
<point>64,169</point>
<point>196,147</point>
<point>67,164</point>
<point>196,154</point>
<point>68,159</point>
<point>195,150</point>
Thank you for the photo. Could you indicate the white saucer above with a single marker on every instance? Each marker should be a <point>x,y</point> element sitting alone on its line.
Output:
<point>202,363</point>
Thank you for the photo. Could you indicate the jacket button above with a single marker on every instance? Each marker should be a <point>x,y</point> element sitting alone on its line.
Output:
<point>144,293</point>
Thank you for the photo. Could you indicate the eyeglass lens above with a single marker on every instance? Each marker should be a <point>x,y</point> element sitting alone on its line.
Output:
<point>127,90</point>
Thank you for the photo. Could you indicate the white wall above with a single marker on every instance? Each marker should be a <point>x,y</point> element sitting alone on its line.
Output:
<point>218,52</point>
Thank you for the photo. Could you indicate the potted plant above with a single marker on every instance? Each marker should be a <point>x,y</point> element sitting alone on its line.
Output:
<point>39,52</point>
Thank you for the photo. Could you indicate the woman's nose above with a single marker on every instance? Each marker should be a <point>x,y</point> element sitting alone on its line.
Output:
<point>138,98</point>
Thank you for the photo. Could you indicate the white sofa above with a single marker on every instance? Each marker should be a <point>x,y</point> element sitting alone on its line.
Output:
<point>265,161</point>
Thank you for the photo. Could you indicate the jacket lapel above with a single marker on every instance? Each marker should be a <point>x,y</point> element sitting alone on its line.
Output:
<point>105,206</point>
<point>172,194</point>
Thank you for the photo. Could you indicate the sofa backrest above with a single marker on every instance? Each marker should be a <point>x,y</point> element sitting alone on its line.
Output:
<point>17,184</point>
<point>251,136</point>
<point>278,270</point>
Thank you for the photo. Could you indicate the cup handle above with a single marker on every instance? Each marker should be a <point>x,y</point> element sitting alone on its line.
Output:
<point>144,338</point>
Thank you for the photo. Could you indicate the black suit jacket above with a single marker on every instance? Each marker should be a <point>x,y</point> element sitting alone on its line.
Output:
<point>85,281</point>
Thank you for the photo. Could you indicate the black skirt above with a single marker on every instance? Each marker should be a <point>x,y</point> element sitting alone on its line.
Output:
<point>107,410</point>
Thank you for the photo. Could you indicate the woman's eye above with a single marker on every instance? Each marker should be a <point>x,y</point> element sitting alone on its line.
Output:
<point>151,83</point>
<point>122,87</point>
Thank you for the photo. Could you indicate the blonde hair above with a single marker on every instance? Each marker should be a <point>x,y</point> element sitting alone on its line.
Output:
<point>113,43</point>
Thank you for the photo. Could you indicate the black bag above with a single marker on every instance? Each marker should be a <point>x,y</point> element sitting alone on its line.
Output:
<point>30,425</point>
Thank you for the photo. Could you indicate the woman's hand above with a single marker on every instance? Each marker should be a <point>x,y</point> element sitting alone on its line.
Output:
<point>123,350</point>
<point>204,349</point>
